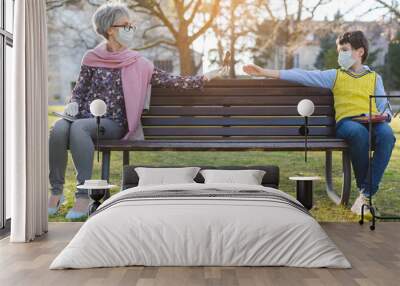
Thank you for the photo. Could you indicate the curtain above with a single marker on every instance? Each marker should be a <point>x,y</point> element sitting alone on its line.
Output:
<point>26,123</point>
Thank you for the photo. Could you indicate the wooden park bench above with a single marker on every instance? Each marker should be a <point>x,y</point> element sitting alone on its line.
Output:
<point>238,115</point>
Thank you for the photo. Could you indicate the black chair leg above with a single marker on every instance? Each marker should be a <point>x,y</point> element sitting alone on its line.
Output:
<point>105,169</point>
<point>125,158</point>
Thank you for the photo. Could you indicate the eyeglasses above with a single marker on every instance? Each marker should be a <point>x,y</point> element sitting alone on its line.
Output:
<point>127,28</point>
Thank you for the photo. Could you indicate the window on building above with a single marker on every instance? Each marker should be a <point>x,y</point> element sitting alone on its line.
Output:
<point>296,61</point>
<point>165,65</point>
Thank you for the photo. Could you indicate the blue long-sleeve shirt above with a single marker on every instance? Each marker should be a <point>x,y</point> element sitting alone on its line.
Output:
<point>326,79</point>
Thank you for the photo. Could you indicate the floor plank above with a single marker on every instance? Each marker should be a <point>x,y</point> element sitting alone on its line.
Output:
<point>375,257</point>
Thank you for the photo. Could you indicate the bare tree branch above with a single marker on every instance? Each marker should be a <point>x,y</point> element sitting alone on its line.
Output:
<point>207,25</point>
<point>299,9</point>
<point>156,43</point>
<point>155,9</point>
<point>189,5</point>
<point>147,30</point>
<point>53,4</point>
<point>269,10</point>
<point>179,5</point>
<point>393,8</point>
<point>195,11</point>
<point>285,4</point>
<point>290,30</point>
<point>313,9</point>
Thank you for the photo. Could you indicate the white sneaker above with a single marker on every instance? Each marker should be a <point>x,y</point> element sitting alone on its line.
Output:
<point>361,200</point>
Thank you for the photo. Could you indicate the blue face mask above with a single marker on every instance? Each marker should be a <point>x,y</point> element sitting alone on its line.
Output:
<point>346,59</point>
<point>126,37</point>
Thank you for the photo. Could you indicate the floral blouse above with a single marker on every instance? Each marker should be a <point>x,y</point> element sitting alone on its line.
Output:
<point>106,84</point>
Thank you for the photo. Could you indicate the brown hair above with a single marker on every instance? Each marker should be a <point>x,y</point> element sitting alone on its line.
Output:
<point>357,40</point>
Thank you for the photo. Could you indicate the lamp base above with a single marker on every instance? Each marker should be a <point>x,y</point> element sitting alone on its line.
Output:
<point>96,195</point>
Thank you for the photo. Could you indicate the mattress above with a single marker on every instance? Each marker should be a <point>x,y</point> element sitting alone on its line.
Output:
<point>201,225</point>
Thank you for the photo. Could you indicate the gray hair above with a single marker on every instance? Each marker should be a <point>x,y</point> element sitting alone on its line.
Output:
<point>106,15</point>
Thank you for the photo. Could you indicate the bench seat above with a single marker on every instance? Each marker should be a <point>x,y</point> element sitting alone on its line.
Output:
<point>326,144</point>
<point>238,115</point>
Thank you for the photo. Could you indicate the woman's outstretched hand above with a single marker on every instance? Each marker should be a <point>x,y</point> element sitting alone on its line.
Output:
<point>221,72</point>
<point>254,70</point>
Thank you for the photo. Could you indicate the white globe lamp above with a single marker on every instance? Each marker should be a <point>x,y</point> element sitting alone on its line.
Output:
<point>98,108</point>
<point>305,108</point>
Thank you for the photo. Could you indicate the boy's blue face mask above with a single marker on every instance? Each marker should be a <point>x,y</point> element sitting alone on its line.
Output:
<point>346,59</point>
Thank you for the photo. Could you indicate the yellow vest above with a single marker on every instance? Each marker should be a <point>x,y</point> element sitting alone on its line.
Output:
<point>351,93</point>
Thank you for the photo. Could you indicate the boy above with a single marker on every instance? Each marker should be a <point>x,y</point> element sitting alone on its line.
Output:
<point>351,86</point>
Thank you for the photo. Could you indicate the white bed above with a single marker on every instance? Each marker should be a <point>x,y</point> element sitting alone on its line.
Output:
<point>264,229</point>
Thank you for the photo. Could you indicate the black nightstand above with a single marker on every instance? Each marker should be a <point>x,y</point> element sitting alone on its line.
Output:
<point>304,190</point>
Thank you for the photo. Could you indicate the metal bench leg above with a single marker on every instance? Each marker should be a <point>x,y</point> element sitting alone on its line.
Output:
<point>125,158</point>
<point>105,169</point>
<point>346,187</point>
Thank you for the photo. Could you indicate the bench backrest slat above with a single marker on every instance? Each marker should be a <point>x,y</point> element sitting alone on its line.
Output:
<point>236,121</point>
<point>233,109</point>
<point>235,131</point>
<point>250,91</point>
<point>241,100</point>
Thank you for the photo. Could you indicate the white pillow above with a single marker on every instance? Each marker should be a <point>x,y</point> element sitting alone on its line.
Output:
<point>165,176</point>
<point>248,177</point>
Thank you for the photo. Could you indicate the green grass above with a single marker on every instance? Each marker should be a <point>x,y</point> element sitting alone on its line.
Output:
<point>290,163</point>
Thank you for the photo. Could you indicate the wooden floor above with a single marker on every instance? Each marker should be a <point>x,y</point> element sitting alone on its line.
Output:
<point>375,257</point>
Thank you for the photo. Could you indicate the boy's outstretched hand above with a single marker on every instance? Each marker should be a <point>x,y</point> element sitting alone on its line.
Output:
<point>254,70</point>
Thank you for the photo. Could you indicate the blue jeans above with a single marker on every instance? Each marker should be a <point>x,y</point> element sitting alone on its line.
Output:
<point>383,141</point>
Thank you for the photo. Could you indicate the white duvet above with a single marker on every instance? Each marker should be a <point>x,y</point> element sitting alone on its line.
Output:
<point>204,231</point>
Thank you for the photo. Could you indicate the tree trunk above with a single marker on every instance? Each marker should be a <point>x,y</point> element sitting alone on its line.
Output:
<point>232,43</point>
<point>232,72</point>
<point>289,60</point>
<point>185,56</point>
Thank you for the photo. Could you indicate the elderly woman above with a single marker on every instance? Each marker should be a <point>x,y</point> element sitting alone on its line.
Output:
<point>120,77</point>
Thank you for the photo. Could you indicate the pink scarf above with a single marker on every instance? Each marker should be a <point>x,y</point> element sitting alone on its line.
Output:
<point>136,73</point>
